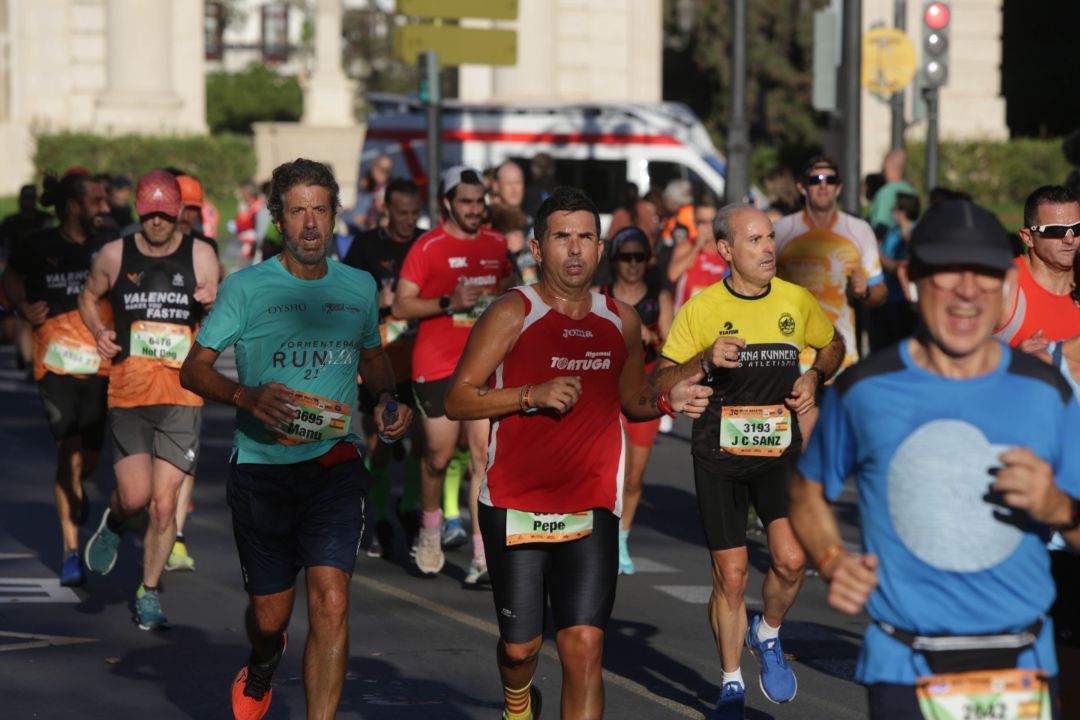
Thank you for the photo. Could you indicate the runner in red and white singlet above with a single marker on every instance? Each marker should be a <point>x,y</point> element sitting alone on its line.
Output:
<point>552,364</point>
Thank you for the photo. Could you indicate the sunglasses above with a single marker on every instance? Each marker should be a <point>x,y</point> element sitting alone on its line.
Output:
<point>1056,232</point>
<point>639,257</point>
<point>818,179</point>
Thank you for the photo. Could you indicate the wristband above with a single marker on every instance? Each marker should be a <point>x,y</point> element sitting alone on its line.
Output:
<point>236,395</point>
<point>664,404</point>
<point>525,398</point>
<point>820,375</point>
<point>444,304</point>
<point>97,335</point>
<point>828,557</point>
<point>1074,506</point>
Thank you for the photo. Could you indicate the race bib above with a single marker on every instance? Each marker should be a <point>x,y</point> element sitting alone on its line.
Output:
<point>395,329</point>
<point>71,357</point>
<point>315,418</point>
<point>527,527</point>
<point>468,318</point>
<point>985,695</point>
<point>160,341</point>
<point>762,430</point>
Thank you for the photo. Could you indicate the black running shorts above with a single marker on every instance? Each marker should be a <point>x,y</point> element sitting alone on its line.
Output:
<point>726,489</point>
<point>169,432</point>
<point>1065,567</point>
<point>430,397</point>
<point>577,577</point>
<point>301,515</point>
<point>75,407</point>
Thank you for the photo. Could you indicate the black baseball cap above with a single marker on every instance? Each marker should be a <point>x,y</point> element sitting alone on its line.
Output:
<point>958,232</point>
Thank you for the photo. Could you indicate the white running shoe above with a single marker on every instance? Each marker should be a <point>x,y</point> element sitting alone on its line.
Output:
<point>429,553</point>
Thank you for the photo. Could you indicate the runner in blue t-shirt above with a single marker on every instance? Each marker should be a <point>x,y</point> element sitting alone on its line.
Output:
<point>965,457</point>
<point>302,326</point>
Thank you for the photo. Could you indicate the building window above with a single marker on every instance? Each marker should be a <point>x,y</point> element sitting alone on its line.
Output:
<point>275,32</point>
<point>214,29</point>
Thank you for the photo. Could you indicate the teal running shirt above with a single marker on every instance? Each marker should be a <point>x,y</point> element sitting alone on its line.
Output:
<point>304,334</point>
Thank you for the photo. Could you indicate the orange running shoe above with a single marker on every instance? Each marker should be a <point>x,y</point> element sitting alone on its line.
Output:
<point>251,689</point>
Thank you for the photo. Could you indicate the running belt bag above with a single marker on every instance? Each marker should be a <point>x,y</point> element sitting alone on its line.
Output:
<point>975,676</point>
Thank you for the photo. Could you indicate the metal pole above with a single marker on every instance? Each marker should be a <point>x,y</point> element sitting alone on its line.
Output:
<point>896,102</point>
<point>931,95</point>
<point>430,70</point>
<point>851,89</point>
<point>737,182</point>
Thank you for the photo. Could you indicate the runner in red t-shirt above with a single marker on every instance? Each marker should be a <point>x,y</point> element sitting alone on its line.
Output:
<point>552,364</point>
<point>449,277</point>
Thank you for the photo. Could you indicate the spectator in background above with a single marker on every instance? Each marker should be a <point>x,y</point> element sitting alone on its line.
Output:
<point>895,320</point>
<point>249,202</point>
<point>541,183</point>
<point>369,210</point>
<point>506,216</point>
<point>781,193</point>
<point>883,204</point>
<point>120,202</point>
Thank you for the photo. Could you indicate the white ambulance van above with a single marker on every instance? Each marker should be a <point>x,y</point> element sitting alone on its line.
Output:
<point>596,147</point>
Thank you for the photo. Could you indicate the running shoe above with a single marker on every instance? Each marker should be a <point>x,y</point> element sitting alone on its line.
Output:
<point>148,612</point>
<point>252,687</point>
<point>382,545</point>
<point>731,703</point>
<point>100,553</point>
<point>453,534</point>
<point>179,558</point>
<point>410,523</point>
<point>71,573</point>
<point>429,555</point>
<point>777,679</point>
<point>626,563</point>
<point>536,703</point>
<point>478,571</point>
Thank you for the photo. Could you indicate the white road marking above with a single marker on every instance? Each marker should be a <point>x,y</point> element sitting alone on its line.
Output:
<point>37,640</point>
<point>35,590</point>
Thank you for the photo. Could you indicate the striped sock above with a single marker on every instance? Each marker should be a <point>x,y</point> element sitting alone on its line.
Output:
<point>518,703</point>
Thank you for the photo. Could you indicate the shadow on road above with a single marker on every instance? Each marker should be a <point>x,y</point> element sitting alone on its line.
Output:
<point>376,689</point>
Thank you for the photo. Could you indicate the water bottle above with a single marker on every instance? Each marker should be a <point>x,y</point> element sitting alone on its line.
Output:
<point>389,417</point>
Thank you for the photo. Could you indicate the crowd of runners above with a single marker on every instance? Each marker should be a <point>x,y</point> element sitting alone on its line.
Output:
<point>525,345</point>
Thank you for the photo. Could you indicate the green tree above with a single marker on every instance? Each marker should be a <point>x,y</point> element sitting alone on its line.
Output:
<point>697,70</point>
<point>236,100</point>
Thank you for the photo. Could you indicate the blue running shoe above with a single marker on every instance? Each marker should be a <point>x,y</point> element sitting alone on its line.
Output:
<point>100,553</point>
<point>626,563</point>
<point>148,612</point>
<point>731,703</point>
<point>453,535</point>
<point>777,679</point>
<point>71,573</point>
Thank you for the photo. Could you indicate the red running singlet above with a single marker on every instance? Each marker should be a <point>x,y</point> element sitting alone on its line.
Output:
<point>540,461</point>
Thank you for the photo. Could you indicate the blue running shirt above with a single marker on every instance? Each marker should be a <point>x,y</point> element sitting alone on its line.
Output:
<point>921,448</point>
<point>304,334</point>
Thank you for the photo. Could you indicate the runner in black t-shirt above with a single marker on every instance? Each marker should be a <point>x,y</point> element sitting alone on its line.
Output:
<point>381,252</point>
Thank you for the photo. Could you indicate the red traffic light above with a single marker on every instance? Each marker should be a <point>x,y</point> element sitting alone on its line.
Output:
<point>936,15</point>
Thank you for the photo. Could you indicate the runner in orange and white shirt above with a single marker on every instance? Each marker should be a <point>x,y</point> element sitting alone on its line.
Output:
<point>160,282</point>
<point>832,254</point>
<point>449,277</point>
<point>44,277</point>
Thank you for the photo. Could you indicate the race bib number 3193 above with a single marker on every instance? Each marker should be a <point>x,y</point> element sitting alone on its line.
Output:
<point>762,430</point>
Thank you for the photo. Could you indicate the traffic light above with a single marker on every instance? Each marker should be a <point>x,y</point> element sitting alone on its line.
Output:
<point>935,45</point>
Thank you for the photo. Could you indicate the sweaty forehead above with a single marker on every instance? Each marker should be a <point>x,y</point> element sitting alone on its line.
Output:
<point>1065,213</point>
<point>577,221</point>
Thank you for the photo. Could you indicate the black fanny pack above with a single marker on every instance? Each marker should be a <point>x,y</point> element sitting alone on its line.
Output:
<point>966,653</point>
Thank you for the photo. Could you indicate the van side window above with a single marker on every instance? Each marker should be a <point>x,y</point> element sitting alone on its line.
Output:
<point>661,172</point>
<point>602,180</point>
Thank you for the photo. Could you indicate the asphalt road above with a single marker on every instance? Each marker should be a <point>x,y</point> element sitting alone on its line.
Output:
<point>419,647</point>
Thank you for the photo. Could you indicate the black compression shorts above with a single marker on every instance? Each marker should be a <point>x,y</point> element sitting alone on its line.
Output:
<point>430,396</point>
<point>75,407</point>
<point>724,496</point>
<point>577,577</point>
<point>1065,568</point>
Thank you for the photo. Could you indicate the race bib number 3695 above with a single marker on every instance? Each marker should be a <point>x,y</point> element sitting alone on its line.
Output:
<point>762,430</point>
<point>315,418</point>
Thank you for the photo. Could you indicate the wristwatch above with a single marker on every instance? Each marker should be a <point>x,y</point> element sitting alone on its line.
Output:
<point>444,304</point>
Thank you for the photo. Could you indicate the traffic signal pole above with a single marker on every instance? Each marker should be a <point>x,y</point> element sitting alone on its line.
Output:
<point>851,95</point>
<point>896,102</point>
<point>431,96</point>
<point>931,96</point>
<point>737,181</point>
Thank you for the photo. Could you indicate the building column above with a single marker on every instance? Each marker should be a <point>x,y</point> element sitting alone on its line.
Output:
<point>139,91</point>
<point>328,94</point>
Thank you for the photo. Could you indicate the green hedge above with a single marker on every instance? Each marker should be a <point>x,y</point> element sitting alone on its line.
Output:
<point>220,162</point>
<point>993,172</point>
<point>236,100</point>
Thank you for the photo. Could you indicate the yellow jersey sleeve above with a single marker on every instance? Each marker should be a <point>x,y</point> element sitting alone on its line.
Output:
<point>682,343</point>
<point>819,329</point>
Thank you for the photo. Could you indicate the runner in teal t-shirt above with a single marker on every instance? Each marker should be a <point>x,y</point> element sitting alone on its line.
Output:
<point>303,326</point>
